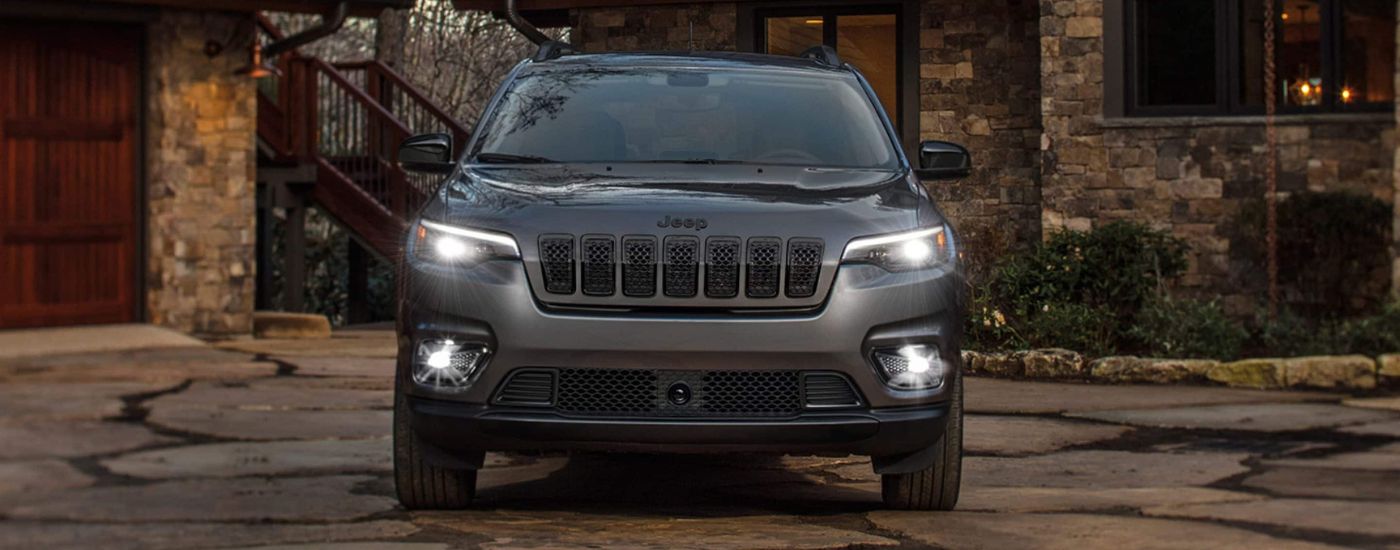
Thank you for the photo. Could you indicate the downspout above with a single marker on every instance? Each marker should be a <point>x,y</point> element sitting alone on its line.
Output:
<point>331,22</point>
<point>530,31</point>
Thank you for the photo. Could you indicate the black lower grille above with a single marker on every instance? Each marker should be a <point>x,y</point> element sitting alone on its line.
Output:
<point>649,393</point>
<point>528,387</point>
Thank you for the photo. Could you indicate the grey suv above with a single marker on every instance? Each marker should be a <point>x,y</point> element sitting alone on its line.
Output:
<point>696,252</point>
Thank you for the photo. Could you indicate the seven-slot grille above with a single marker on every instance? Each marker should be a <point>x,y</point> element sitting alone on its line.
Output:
<point>643,392</point>
<point>687,266</point>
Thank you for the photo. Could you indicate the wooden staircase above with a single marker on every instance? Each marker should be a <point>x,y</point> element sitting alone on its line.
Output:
<point>342,124</point>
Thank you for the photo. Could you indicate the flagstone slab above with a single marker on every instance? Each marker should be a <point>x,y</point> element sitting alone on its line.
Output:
<point>1390,428</point>
<point>41,439</point>
<point>21,403</point>
<point>994,396</point>
<point>958,530</point>
<point>578,530</point>
<point>280,458</point>
<point>1385,457</point>
<point>1064,499</point>
<point>380,344</point>
<point>243,499</point>
<point>34,476</point>
<point>273,394</point>
<point>263,425</point>
<point>1269,417</point>
<point>357,546</point>
<point>158,366</point>
<point>182,536</point>
<point>1328,483</point>
<point>1102,469</point>
<point>1011,435</point>
<point>1338,516</point>
<point>1384,403</point>
<point>380,367</point>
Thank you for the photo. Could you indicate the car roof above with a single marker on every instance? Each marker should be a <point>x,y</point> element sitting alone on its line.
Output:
<point>690,60</point>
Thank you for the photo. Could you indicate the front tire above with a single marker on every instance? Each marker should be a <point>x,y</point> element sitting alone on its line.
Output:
<point>935,487</point>
<point>420,484</point>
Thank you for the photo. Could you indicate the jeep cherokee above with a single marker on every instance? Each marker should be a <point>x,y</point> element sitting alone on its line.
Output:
<point>681,252</point>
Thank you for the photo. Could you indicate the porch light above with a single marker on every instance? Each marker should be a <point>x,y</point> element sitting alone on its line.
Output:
<point>256,68</point>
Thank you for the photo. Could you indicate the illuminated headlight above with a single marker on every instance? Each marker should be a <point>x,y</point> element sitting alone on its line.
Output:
<point>447,364</point>
<point>449,245</point>
<point>912,367</point>
<point>908,251</point>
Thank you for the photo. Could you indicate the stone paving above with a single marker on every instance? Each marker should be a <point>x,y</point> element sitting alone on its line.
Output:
<point>284,444</point>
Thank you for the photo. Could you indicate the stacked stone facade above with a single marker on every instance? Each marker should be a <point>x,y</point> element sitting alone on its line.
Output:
<point>1190,176</point>
<point>978,86</point>
<point>1022,84</point>
<point>200,173</point>
<point>702,27</point>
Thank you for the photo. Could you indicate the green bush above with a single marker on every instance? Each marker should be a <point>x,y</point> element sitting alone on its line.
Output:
<point>1076,290</point>
<point>1187,329</point>
<point>1373,335</point>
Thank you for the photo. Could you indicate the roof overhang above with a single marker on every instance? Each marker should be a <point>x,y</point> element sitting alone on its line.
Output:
<point>361,8</point>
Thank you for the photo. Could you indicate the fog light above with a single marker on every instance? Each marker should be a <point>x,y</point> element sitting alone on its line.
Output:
<point>446,364</point>
<point>912,367</point>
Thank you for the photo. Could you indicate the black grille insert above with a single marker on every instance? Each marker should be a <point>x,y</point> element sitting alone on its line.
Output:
<point>557,260</point>
<point>599,269</point>
<point>722,267</point>
<point>607,391</point>
<point>528,388</point>
<point>804,266</point>
<point>824,389</point>
<point>765,261</point>
<point>681,276</point>
<point>751,393</point>
<point>639,266</point>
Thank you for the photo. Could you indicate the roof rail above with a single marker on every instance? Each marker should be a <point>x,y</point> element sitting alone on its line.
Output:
<point>823,54</point>
<point>553,49</point>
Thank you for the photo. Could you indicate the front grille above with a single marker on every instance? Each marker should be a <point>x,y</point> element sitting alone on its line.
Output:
<point>557,260</point>
<point>804,267</point>
<point>598,266</point>
<point>722,267</point>
<point>764,267</point>
<point>639,266</point>
<point>644,393</point>
<point>681,272</point>
<point>680,266</point>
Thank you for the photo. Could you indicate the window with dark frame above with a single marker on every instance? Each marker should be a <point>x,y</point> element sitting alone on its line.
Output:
<point>1206,57</point>
<point>867,37</point>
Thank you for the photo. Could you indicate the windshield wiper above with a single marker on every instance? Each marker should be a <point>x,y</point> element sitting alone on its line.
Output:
<point>510,158</point>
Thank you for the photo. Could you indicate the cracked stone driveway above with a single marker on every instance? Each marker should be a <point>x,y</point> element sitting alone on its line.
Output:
<point>283,444</point>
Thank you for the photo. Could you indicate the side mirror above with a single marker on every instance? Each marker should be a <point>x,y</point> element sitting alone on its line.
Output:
<point>940,160</point>
<point>430,153</point>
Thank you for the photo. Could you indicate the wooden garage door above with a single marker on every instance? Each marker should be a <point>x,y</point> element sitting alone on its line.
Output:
<point>68,154</point>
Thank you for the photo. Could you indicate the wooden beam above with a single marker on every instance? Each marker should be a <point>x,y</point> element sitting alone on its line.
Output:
<point>359,8</point>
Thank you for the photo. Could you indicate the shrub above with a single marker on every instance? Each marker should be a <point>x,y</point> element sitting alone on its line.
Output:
<point>1332,251</point>
<point>1187,329</point>
<point>1075,290</point>
<point>1374,335</point>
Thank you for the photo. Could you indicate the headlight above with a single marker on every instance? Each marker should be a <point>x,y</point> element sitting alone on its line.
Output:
<point>908,251</point>
<point>445,244</point>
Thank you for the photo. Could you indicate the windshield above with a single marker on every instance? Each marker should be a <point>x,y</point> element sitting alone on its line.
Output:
<point>619,115</point>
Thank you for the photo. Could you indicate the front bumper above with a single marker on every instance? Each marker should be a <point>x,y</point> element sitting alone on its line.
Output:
<point>866,308</point>
<point>467,428</point>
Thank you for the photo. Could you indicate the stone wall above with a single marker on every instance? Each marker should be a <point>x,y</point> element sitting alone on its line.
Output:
<point>979,86</point>
<point>655,28</point>
<point>200,148</point>
<point>1192,177</point>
